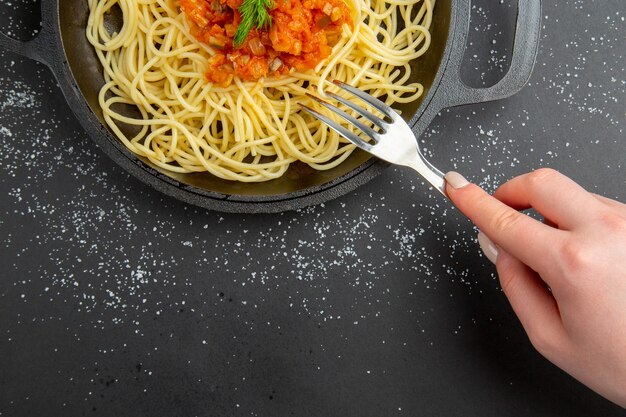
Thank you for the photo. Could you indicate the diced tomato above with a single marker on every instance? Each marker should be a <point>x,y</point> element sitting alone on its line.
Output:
<point>301,35</point>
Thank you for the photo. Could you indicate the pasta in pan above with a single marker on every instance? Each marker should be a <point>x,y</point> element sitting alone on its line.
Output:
<point>206,105</point>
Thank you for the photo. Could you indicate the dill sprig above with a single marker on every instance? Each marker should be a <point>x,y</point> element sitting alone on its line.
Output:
<point>253,13</point>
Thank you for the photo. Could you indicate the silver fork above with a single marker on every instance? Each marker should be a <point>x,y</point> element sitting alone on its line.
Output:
<point>394,141</point>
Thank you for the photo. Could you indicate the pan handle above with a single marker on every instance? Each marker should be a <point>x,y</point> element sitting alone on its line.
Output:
<point>40,46</point>
<point>524,53</point>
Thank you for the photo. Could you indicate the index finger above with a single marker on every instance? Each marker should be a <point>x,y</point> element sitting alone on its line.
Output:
<point>525,238</point>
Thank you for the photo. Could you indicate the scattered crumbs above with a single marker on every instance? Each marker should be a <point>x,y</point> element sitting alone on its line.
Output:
<point>94,252</point>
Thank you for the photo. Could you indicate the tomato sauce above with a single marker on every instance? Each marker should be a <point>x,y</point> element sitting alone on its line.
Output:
<point>302,33</point>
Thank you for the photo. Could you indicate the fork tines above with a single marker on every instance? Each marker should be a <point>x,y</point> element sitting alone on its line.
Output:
<point>351,136</point>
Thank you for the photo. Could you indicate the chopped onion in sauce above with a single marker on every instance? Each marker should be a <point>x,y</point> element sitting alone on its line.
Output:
<point>275,64</point>
<point>256,47</point>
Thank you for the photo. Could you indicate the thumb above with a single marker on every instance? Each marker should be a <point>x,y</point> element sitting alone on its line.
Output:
<point>530,299</point>
<point>520,235</point>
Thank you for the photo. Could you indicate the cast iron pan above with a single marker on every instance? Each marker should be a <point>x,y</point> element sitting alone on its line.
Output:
<point>63,47</point>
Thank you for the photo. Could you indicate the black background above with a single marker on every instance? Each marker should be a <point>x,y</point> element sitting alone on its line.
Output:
<point>117,301</point>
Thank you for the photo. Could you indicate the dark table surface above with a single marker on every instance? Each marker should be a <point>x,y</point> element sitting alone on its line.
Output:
<point>117,301</point>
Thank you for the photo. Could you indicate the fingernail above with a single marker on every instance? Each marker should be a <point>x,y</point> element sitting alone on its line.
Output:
<point>488,247</point>
<point>456,180</point>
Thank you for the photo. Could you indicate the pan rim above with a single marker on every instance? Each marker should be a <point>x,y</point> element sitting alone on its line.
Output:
<point>238,203</point>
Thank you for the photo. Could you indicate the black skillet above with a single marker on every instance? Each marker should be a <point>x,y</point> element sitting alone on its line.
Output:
<point>63,47</point>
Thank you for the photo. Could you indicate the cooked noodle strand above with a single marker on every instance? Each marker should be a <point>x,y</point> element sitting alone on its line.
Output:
<point>157,101</point>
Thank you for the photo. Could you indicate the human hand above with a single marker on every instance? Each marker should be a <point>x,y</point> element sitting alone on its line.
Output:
<point>565,279</point>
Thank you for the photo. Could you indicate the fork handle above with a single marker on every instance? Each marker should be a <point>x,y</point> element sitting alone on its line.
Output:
<point>429,172</point>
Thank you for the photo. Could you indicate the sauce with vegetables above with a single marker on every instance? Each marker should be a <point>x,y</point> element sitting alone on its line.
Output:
<point>300,35</point>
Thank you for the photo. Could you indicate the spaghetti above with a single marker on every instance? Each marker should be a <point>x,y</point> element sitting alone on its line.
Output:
<point>246,130</point>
